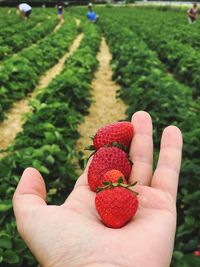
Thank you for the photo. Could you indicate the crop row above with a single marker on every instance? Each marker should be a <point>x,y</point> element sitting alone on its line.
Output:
<point>47,141</point>
<point>158,31</point>
<point>146,86</point>
<point>25,35</point>
<point>22,26</point>
<point>8,18</point>
<point>181,59</point>
<point>20,74</point>
<point>173,25</point>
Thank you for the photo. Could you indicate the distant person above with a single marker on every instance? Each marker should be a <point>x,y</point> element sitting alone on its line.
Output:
<point>91,15</point>
<point>24,10</point>
<point>90,6</point>
<point>60,8</point>
<point>192,14</point>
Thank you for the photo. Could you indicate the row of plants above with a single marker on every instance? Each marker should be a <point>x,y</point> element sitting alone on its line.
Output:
<point>47,142</point>
<point>13,39</point>
<point>176,26</point>
<point>145,85</point>
<point>19,25</point>
<point>20,74</point>
<point>8,18</point>
<point>181,59</point>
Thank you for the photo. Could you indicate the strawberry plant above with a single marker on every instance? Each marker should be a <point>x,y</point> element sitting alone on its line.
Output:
<point>47,141</point>
<point>19,75</point>
<point>23,34</point>
<point>146,85</point>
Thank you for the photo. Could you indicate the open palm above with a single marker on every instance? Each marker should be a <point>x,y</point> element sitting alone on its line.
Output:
<point>73,235</point>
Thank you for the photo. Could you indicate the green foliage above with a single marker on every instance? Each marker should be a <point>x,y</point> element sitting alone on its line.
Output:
<point>130,1</point>
<point>146,85</point>
<point>50,132</point>
<point>20,74</point>
<point>177,47</point>
<point>47,142</point>
<point>25,33</point>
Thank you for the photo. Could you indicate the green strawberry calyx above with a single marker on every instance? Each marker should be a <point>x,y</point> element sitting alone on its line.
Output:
<point>119,183</point>
<point>119,145</point>
<point>115,144</point>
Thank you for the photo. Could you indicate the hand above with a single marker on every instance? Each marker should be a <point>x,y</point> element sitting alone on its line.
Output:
<point>72,235</point>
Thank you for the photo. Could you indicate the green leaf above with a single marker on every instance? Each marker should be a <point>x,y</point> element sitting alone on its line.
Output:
<point>1,252</point>
<point>19,246</point>
<point>50,159</point>
<point>49,136</point>
<point>177,255</point>
<point>52,191</point>
<point>36,164</point>
<point>43,169</point>
<point>190,260</point>
<point>189,220</point>
<point>120,180</point>
<point>5,241</point>
<point>5,206</point>
<point>11,257</point>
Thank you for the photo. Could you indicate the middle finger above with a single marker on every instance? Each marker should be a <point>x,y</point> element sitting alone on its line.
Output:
<point>141,149</point>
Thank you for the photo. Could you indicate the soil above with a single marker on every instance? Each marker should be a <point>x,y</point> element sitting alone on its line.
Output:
<point>106,108</point>
<point>15,116</point>
<point>59,25</point>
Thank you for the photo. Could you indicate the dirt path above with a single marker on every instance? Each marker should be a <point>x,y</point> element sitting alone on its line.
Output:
<point>59,25</point>
<point>106,107</point>
<point>13,124</point>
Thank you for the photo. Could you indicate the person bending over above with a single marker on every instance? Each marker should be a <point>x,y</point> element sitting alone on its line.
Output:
<point>91,15</point>
<point>24,10</point>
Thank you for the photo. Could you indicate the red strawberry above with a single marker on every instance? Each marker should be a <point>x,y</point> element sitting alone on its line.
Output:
<point>106,159</point>
<point>120,133</point>
<point>196,253</point>
<point>113,176</point>
<point>116,205</point>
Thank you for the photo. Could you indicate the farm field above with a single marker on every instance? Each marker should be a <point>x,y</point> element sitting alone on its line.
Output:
<point>60,82</point>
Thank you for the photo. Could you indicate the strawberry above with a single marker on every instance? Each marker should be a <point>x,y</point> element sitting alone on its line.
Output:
<point>196,253</point>
<point>106,159</point>
<point>113,176</point>
<point>116,204</point>
<point>119,134</point>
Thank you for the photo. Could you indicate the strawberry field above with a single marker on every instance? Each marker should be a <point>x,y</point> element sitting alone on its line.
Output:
<point>156,63</point>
